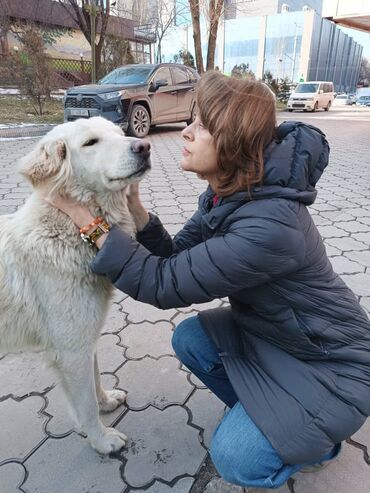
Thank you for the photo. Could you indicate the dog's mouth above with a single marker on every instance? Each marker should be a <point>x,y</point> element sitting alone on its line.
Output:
<point>136,174</point>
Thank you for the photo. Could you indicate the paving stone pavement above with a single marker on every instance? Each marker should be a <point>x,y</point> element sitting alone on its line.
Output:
<point>169,415</point>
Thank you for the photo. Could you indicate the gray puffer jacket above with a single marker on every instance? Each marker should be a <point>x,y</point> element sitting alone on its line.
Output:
<point>294,341</point>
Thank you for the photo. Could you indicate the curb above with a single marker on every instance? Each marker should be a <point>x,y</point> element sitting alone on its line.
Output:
<point>19,131</point>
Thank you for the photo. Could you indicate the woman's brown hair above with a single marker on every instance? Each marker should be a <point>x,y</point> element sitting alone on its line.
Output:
<point>240,116</point>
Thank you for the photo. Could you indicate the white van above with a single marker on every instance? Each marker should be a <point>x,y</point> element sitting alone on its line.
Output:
<point>311,96</point>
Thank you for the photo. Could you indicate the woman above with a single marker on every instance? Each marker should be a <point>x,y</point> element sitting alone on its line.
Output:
<point>290,356</point>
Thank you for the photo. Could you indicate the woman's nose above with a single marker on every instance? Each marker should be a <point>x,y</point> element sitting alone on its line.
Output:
<point>187,133</point>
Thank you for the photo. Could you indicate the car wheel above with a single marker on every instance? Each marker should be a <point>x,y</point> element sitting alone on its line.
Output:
<point>192,117</point>
<point>328,107</point>
<point>290,110</point>
<point>139,124</point>
<point>316,107</point>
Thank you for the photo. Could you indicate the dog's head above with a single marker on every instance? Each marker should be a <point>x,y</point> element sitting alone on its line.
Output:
<point>86,157</point>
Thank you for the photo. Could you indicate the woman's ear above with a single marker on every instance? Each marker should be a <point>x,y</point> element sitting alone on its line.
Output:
<point>43,162</point>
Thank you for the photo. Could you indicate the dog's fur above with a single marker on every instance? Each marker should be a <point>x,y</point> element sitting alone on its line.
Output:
<point>49,298</point>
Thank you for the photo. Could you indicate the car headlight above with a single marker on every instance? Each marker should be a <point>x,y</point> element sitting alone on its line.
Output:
<point>110,95</point>
<point>309,99</point>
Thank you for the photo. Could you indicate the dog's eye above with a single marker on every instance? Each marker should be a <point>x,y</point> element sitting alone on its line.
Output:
<point>90,142</point>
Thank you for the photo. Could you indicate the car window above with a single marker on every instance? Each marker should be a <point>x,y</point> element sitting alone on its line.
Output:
<point>127,75</point>
<point>163,74</point>
<point>180,76</point>
<point>307,88</point>
<point>192,77</point>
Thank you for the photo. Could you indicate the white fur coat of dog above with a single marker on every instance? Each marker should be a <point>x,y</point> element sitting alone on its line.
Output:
<point>49,298</point>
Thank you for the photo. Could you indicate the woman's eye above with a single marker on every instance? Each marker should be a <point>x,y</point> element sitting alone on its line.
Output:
<point>91,142</point>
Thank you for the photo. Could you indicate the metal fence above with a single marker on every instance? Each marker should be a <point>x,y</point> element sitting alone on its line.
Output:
<point>67,72</point>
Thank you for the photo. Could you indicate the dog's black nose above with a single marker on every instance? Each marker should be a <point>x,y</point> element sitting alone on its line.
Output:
<point>140,147</point>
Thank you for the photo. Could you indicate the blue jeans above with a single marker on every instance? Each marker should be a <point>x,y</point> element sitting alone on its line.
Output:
<point>240,452</point>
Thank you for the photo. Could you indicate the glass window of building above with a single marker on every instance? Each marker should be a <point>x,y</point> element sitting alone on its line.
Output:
<point>283,45</point>
<point>241,43</point>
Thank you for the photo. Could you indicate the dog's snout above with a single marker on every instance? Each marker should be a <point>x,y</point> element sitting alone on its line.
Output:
<point>140,147</point>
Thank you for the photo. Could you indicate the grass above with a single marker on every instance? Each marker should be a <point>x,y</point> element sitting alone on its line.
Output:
<point>16,109</point>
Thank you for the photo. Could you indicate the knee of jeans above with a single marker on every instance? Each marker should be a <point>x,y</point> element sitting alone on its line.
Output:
<point>245,466</point>
<point>182,339</point>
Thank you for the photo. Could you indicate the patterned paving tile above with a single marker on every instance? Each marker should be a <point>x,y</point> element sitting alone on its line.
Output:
<point>154,451</point>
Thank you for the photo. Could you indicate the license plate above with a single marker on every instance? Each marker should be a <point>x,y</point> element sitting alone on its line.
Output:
<point>79,112</point>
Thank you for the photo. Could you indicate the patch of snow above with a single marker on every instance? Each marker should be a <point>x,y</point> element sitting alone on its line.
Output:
<point>22,125</point>
<point>57,94</point>
<point>9,91</point>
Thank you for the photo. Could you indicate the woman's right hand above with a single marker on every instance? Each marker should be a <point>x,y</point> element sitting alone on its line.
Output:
<point>139,213</point>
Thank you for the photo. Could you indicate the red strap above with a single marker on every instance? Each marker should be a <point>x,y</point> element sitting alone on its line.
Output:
<point>215,200</point>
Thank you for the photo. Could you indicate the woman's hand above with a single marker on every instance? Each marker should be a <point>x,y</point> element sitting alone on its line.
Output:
<point>79,214</point>
<point>139,213</point>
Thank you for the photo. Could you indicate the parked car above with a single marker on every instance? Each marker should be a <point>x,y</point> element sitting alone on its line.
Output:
<point>311,96</point>
<point>363,101</point>
<point>137,97</point>
<point>344,99</point>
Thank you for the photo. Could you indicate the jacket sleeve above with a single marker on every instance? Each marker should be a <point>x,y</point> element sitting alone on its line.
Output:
<point>159,242</point>
<point>252,252</point>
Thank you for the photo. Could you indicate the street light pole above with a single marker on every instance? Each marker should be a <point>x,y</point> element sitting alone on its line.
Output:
<point>294,55</point>
<point>294,51</point>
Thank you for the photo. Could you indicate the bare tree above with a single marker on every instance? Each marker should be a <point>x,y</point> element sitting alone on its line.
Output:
<point>32,67</point>
<point>116,52</point>
<point>195,18</point>
<point>80,11</point>
<point>216,8</point>
<point>364,75</point>
<point>212,11</point>
<point>163,17</point>
<point>5,26</point>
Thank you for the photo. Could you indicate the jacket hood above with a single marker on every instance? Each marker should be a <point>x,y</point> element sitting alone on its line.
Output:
<point>294,162</point>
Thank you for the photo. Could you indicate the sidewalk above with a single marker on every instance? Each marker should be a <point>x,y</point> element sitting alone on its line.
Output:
<point>169,417</point>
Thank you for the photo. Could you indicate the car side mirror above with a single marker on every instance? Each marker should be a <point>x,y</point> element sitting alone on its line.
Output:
<point>160,83</point>
<point>321,91</point>
<point>157,84</point>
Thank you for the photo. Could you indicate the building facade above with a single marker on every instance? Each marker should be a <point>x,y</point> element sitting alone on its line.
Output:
<point>73,44</point>
<point>293,45</point>
<point>287,38</point>
<point>254,8</point>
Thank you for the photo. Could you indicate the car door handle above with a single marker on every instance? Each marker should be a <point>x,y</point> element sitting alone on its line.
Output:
<point>173,92</point>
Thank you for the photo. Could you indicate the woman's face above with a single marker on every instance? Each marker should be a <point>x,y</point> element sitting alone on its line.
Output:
<point>199,153</point>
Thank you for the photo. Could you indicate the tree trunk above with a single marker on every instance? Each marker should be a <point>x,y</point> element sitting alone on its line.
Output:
<point>98,66</point>
<point>159,51</point>
<point>215,12</point>
<point>195,17</point>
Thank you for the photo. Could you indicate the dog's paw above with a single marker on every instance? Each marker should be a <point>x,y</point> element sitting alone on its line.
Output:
<point>111,441</point>
<point>111,399</point>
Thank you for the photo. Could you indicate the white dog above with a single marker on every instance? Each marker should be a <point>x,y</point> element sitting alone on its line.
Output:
<point>49,298</point>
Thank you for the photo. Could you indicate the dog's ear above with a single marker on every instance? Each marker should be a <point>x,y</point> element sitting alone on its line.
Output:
<point>43,162</point>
